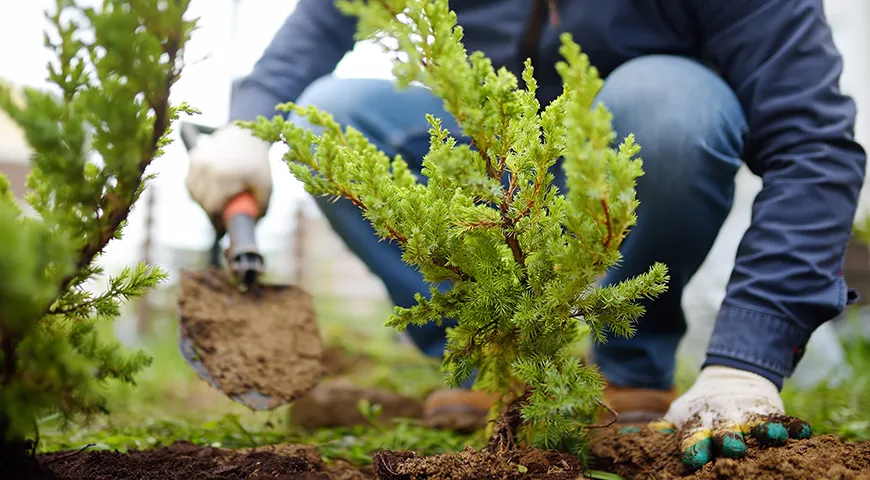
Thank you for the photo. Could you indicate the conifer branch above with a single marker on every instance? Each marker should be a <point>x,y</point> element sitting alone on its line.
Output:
<point>117,209</point>
<point>535,255</point>
<point>114,105</point>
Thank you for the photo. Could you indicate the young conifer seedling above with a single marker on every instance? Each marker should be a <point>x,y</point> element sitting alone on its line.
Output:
<point>113,71</point>
<point>519,257</point>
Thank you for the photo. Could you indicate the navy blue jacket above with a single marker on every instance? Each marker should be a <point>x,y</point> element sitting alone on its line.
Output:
<point>779,58</point>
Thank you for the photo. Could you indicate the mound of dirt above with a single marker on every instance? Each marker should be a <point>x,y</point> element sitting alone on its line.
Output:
<point>267,344</point>
<point>650,454</point>
<point>185,461</point>
<point>338,361</point>
<point>470,464</point>
<point>334,403</point>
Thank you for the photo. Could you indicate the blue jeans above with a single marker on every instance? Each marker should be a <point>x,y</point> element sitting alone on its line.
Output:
<point>690,127</point>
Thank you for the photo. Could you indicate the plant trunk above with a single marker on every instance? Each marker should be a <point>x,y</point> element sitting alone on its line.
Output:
<point>18,456</point>
<point>507,426</point>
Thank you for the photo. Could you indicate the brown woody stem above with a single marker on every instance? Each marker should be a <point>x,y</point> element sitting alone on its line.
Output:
<point>116,208</point>
<point>607,220</point>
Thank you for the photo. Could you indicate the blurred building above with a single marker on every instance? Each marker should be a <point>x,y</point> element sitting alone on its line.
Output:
<point>14,152</point>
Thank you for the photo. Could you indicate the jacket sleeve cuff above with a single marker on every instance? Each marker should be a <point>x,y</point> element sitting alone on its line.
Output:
<point>755,342</point>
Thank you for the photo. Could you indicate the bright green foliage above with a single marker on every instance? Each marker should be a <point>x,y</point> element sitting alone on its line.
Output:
<point>114,69</point>
<point>510,257</point>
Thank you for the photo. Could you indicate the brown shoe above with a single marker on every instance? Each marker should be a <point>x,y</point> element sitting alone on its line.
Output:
<point>457,409</point>
<point>636,405</point>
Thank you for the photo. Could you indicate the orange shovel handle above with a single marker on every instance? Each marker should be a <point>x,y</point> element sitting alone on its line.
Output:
<point>242,203</point>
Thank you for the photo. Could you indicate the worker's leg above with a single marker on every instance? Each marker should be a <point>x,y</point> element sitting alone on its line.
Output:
<point>690,127</point>
<point>395,121</point>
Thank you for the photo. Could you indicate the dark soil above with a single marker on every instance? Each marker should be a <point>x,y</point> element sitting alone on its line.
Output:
<point>268,343</point>
<point>184,461</point>
<point>642,455</point>
<point>334,403</point>
<point>649,454</point>
<point>525,464</point>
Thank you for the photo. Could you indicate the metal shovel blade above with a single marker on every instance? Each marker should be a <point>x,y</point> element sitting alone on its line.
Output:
<point>261,350</point>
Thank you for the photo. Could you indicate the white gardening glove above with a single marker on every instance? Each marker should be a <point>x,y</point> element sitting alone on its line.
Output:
<point>722,407</point>
<point>229,162</point>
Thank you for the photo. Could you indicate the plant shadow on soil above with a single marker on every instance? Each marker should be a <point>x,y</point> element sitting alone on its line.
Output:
<point>402,450</point>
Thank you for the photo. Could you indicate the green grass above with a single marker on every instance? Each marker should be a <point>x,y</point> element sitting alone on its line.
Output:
<point>171,403</point>
<point>844,409</point>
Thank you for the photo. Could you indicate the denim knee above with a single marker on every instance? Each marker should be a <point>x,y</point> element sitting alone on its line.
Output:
<point>392,119</point>
<point>344,99</point>
<point>685,117</point>
<point>336,96</point>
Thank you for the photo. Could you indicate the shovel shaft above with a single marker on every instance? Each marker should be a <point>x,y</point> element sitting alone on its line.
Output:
<point>240,219</point>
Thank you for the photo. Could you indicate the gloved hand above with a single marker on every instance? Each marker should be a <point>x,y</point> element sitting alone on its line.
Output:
<point>231,161</point>
<point>722,407</point>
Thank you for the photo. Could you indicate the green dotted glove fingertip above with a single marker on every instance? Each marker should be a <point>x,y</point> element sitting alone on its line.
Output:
<point>730,444</point>
<point>699,453</point>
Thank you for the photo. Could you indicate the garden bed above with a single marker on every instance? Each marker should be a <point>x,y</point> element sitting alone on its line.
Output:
<point>644,454</point>
<point>639,455</point>
<point>184,461</point>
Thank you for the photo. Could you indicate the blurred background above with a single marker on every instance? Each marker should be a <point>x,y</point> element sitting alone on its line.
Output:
<point>167,228</point>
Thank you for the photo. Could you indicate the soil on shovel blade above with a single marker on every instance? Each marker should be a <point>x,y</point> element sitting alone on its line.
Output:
<point>648,454</point>
<point>269,344</point>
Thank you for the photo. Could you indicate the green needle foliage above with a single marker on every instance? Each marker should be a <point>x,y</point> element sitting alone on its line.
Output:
<point>92,142</point>
<point>510,257</point>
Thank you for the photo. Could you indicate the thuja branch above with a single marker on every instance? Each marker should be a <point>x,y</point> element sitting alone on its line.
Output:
<point>506,254</point>
<point>91,147</point>
<point>455,96</point>
<point>332,175</point>
<point>115,205</point>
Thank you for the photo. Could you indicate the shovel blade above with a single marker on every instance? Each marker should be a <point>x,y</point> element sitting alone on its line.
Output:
<point>262,350</point>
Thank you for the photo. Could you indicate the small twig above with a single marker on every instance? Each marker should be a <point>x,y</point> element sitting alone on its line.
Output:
<point>531,202</point>
<point>612,412</point>
<point>554,13</point>
<point>70,454</point>
<point>35,443</point>
<point>490,168</point>
<point>607,219</point>
<point>508,224</point>
<point>479,224</point>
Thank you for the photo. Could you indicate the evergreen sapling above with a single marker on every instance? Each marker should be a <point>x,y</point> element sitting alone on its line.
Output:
<point>511,258</point>
<point>114,69</point>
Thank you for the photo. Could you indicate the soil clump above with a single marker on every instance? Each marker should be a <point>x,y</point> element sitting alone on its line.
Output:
<point>268,343</point>
<point>338,361</point>
<point>651,454</point>
<point>185,461</point>
<point>334,403</point>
